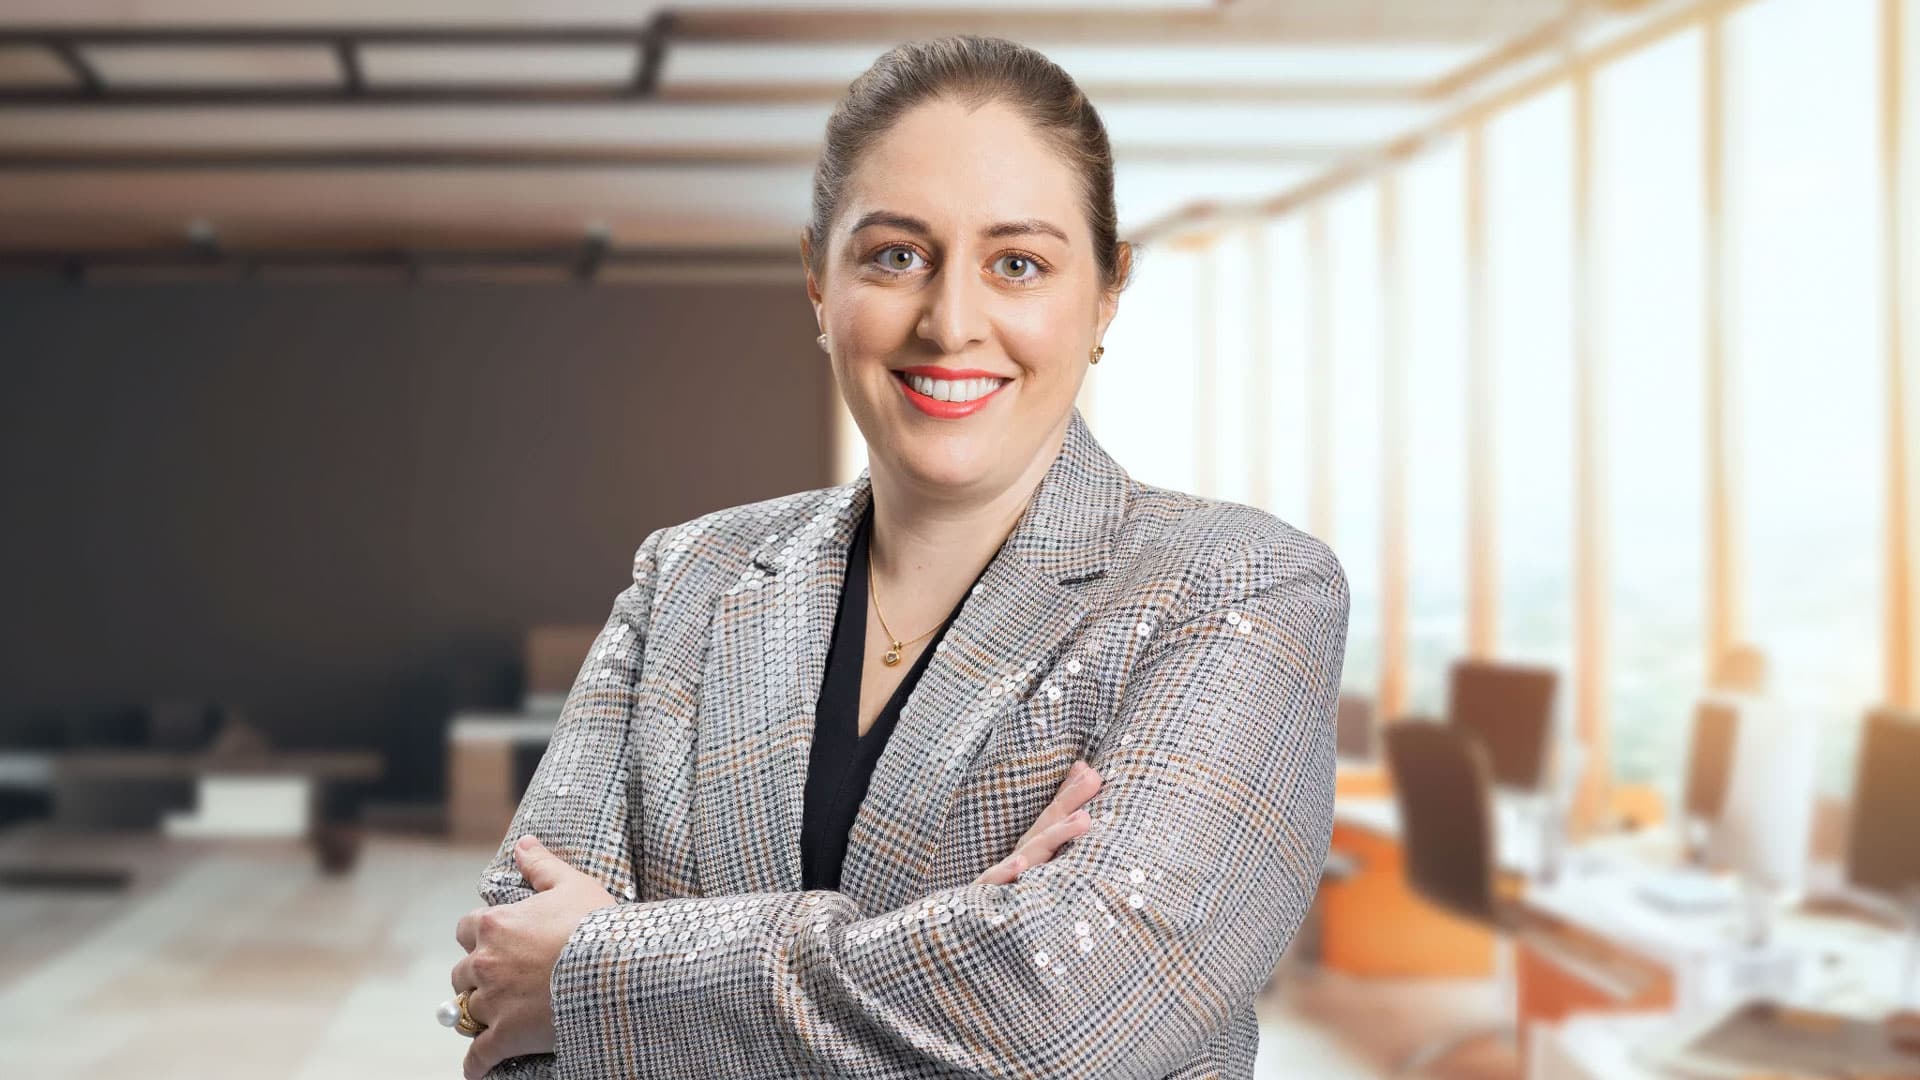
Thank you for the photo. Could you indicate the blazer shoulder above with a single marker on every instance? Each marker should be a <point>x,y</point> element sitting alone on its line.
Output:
<point>719,543</point>
<point>1223,549</point>
<point>752,522</point>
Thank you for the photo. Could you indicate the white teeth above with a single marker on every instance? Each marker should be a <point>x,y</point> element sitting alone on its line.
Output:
<point>953,389</point>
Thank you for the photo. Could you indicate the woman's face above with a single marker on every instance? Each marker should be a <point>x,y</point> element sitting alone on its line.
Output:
<point>961,266</point>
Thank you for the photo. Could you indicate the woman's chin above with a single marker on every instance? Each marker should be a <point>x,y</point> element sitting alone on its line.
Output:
<point>948,460</point>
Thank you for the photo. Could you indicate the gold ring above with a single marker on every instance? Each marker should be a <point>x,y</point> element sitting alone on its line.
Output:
<point>467,1026</point>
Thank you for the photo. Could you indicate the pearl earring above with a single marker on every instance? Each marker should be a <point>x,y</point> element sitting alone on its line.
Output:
<point>1094,356</point>
<point>822,339</point>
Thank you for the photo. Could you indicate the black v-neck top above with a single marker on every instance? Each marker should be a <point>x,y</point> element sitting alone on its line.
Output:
<point>840,765</point>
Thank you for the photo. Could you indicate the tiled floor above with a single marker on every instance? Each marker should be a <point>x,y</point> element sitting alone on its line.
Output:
<point>241,960</point>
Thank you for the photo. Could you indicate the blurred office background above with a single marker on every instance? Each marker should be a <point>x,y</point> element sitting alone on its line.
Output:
<point>350,349</point>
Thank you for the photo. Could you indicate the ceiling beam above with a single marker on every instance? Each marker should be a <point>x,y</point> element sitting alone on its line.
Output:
<point>87,79</point>
<point>645,88</point>
<point>1240,25</point>
<point>1240,22</point>
<point>1424,23</point>
<point>106,159</point>
<point>584,262</point>
<point>652,50</point>
<point>1102,92</point>
<point>353,79</point>
<point>324,33</point>
<point>1650,21</point>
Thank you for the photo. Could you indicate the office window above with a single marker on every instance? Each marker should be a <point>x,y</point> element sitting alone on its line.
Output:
<point>1651,226</point>
<point>1146,377</point>
<point>1434,262</point>
<point>1234,308</point>
<point>1803,119</point>
<point>1529,172</point>
<point>1290,346</point>
<point>1353,241</point>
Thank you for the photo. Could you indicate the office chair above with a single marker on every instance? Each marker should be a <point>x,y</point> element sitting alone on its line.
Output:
<point>1512,709</point>
<point>1443,786</point>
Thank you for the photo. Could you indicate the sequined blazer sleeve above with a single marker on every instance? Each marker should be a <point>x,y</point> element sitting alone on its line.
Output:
<point>577,801</point>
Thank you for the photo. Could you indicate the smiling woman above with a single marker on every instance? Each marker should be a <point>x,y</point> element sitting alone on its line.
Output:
<point>1075,833</point>
<point>966,225</point>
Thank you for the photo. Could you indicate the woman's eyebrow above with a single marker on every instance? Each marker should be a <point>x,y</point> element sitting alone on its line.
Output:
<point>913,224</point>
<point>1023,228</point>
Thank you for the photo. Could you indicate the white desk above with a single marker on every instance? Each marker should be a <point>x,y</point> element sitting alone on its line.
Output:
<point>1605,1047</point>
<point>265,793</point>
<point>28,769</point>
<point>1597,1047</point>
<point>502,728</point>
<point>1830,964</point>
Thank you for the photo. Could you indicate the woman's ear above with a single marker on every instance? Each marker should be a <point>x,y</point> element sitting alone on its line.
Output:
<point>806,266</point>
<point>1110,298</point>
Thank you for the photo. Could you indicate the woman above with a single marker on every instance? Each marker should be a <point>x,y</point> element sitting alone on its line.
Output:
<point>680,907</point>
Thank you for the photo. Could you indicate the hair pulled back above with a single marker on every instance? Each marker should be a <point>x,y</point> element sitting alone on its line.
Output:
<point>971,71</point>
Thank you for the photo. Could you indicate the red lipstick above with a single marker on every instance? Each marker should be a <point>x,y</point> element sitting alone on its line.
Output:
<point>946,410</point>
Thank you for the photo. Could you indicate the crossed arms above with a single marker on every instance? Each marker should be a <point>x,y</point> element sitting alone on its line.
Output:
<point>1121,957</point>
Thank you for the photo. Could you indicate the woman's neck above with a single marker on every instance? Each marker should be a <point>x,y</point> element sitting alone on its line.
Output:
<point>928,546</point>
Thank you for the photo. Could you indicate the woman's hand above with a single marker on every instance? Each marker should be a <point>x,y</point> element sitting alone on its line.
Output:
<point>511,950</point>
<point>1061,821</point>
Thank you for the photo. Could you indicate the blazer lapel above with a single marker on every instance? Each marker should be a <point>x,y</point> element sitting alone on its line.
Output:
<point>1029,601</point>
<point>766,659</point>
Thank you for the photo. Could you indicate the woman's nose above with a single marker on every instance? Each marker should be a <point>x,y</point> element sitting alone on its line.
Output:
<point>955,315</point>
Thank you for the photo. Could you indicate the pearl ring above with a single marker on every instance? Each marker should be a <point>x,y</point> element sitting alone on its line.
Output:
<point>454,1014</point>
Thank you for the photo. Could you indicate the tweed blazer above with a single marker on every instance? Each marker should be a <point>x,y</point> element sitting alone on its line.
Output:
<point>1188,648</point>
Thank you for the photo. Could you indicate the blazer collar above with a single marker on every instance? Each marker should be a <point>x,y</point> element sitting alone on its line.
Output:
<point>766,658</point>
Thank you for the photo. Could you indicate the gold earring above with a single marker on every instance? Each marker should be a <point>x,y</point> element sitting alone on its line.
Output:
<point>822,339</point>
<point>1095,355</point>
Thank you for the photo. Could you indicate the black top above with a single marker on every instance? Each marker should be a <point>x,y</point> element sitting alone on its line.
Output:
<point>841,762</point>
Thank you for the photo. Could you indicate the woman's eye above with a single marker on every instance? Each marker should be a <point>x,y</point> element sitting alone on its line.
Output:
<point>898,258</point>
<point>1019,267</point>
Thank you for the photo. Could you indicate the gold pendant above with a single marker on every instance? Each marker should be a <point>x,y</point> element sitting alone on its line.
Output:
<point>893,655</point>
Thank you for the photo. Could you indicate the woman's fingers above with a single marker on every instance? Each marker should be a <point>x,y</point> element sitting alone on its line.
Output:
<point>1082,783</point>
<point>1037,848</point>
<point>1045,844</point>
<point>1003,871</point>
<point>467,930</point>
<point>480,1007</point>
<point>482,1056</point>
<point>462,975</point>
<point>1061,821</point>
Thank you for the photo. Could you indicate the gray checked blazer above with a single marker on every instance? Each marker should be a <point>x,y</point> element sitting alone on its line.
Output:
<point>1188,648</point>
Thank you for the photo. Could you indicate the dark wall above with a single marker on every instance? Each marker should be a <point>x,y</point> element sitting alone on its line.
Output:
<point>337,507</point>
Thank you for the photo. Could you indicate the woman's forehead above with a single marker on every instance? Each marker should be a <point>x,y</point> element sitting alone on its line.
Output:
<point>990,178</point>
<point>989,150</point>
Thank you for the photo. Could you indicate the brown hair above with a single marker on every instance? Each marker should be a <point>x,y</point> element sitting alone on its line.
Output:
<point>972,71</point>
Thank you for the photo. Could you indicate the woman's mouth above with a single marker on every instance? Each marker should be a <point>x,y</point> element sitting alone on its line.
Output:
<point>946,394</point>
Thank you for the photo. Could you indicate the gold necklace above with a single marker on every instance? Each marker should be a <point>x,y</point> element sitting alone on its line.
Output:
<point>892,655</point>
